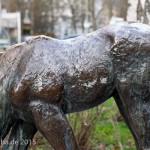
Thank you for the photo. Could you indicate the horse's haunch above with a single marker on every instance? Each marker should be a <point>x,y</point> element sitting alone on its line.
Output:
<point>44,78</point>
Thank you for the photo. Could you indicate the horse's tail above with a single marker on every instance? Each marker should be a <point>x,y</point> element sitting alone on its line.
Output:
<point>5,127</point>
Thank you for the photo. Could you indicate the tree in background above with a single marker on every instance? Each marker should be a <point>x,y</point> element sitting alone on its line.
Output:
<point>120,8</point>
<point>117,8</point>
<point>45,15</point>
<point>74,8</point>
<point>143,12</point>
<point>95,10</point>
<point>39,15</point>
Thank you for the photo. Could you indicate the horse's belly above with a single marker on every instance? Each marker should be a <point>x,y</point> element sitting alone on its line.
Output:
<point>82,98</point>
<point>87,90</point>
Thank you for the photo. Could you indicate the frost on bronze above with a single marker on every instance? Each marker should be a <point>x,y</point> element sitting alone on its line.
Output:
<point>44,79</point>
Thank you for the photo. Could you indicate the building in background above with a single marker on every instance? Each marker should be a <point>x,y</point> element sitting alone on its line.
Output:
<point>12,23</point>
<point>10,26</point>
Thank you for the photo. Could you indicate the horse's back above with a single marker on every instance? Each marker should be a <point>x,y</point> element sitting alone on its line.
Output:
<point>47,67</point>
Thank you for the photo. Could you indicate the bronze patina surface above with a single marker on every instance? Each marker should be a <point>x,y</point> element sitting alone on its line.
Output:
<point>43,79</point>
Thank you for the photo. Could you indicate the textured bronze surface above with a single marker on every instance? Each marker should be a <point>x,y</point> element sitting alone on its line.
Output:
<point>43,79</point>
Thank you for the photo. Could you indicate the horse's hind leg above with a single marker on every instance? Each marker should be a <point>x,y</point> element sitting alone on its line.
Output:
<point>21,136</point>
<point>52,123</point>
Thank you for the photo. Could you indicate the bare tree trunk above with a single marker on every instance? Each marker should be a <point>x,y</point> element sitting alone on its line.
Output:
<point>73,11</point>
<point>109,7</point>
<point>52,23</point>
<point>123,9</point>
<point>92,12</point>
<point>83,16</point>
<point>107,12</point>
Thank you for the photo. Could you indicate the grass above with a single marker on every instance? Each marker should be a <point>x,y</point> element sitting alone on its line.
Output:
<point>111,131</point>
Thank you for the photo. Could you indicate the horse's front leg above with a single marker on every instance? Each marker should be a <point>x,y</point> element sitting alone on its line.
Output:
<point>21,136</point>
<point>52,123</point>
<point>126,116</point>
<point>136,113</point>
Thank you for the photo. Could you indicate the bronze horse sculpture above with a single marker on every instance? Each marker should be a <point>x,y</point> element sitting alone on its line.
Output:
<point>43,79</point>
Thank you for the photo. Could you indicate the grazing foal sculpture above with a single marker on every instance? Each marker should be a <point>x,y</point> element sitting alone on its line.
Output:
<point>43,79</point>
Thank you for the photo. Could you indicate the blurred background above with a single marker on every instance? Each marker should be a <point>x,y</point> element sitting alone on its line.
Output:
<point>21,19</point>
<point>101,128</point>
